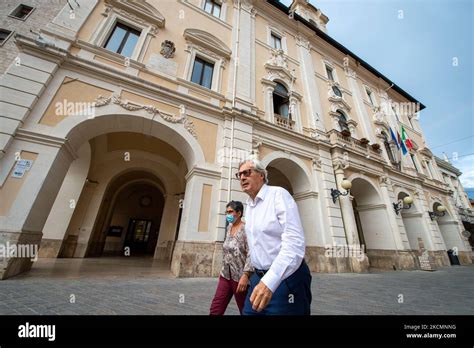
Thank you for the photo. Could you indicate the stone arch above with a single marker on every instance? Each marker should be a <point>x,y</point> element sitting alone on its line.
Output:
<point>78,130</point>
<point>292,167</point>
<point>372,221</point>
<point>115,187</point>
<point>294,175</point>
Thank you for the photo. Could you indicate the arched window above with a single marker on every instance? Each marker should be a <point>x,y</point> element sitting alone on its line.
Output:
<point>281,101</point>
<point>388,148</point>
<point>343,125</point>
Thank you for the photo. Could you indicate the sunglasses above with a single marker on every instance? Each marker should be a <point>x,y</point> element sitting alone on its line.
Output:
<point>246,173</point>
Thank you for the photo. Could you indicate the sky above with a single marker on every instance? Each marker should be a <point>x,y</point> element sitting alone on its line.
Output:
<point>426,48</point>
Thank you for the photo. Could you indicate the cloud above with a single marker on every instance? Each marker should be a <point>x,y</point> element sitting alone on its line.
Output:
<point>466,166</point>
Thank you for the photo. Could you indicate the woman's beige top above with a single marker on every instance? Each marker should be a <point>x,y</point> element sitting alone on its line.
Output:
<point>236,257</point>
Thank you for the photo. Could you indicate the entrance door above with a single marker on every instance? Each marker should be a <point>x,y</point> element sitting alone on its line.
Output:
<point>138,235</point>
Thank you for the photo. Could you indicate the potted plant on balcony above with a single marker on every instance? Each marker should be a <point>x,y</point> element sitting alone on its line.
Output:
<point>346,133</point>
<point>375,146</point>
<point>364,141</point>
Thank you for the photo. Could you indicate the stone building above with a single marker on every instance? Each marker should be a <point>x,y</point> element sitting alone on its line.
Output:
<point>459,197</point>
<point>123,122</point>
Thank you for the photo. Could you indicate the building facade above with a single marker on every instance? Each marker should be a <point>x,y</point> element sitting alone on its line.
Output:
<point>123,123</point>
<point>459,197</point>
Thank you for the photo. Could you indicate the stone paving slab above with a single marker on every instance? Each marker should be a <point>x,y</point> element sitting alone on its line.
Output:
<point>446,291</point>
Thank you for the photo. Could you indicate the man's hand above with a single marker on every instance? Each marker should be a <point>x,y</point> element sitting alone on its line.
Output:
<point>260,297</point>
<point>243,283</point>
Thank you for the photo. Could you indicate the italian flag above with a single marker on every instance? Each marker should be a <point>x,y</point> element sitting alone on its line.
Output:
<point>406,140</point>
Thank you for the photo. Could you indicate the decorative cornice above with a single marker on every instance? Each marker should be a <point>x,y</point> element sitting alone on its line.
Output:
<point>213,174</point>
<point>44,139</point>
<point>138,10</point>
<point>115,99</point>
<point>208,41</point>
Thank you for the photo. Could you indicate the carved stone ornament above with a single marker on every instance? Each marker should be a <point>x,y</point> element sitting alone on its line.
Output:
<point>278,59</point>
<point>385,180</point>
<point>115,99</point>
<point>316,162</point>
<point>167,49</point>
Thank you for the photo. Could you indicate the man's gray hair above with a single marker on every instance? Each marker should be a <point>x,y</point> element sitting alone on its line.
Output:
<point>258,166</point>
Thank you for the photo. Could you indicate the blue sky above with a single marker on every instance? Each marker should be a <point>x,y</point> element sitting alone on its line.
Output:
<point>415,43</point>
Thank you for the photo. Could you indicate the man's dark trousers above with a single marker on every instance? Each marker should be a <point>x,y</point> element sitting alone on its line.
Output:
<point>292,297</point>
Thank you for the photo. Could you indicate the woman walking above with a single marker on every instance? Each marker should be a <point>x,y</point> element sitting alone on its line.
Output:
<point>236,268</point>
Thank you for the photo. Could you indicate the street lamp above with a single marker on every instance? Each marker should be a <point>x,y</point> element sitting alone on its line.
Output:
<point>405,204</point>
<point>345,184</point>
<point>441,211</point>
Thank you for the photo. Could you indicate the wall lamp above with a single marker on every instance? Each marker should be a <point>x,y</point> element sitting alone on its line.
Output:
<point>345,184</point>
<point>440,211</point>
<point>405,204</point>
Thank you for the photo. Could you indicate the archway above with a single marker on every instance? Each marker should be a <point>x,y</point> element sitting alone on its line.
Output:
<point>292,174</point>
<point>414,226</point>
<point>449,229</point>
<point>373,226</point>
<point>132,180</point>
<point>130,216</point>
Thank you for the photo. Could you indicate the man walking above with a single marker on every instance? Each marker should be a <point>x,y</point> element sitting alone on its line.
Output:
<point>281,283</point>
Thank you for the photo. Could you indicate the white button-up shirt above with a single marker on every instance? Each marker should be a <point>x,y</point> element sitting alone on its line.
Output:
<point>274,234</point>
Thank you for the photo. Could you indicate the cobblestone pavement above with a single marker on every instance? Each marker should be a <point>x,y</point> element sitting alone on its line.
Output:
<point>114,286</point>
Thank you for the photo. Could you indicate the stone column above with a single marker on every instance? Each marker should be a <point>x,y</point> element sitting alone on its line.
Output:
<point>347,211</point>
<point>364,118</point>
<point>31,198</point>
<point>268,89</point>
<point>194,249</point>
<point>384,182</point>
<point>244,20</point>
<point>310,85</point>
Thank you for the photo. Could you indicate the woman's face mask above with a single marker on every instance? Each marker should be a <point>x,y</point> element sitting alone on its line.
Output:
<point>230,218</point>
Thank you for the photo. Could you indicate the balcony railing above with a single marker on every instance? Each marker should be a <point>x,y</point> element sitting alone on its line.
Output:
<point>361,147</point>
<point>284,122</point>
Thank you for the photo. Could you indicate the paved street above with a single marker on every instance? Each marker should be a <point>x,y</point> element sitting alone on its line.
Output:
<point>118,286</point>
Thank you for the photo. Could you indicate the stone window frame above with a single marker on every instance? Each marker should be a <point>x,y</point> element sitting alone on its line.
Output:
<point>276,32</point>
<point>331,65</point>
<point>146,23</point>
<point>334,114</point>
<point>368,89</point>
<point>217,54</point>
<point>222,14</point>
<point>8,36</point>
<point>16,8</point>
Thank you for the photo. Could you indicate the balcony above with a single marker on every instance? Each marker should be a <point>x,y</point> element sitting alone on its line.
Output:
<point>284,122</point>
<point>355,145</point>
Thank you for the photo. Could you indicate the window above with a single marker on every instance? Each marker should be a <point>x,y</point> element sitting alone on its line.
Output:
<point>276,41</point>
<point>4,35</point>
<point>369,94</point>
<point>281,101</point>
<point>388,148</point>
<point>123,40</point>
<point>202,72</point>
<point>337,91</point>
<point>343,125</point>
<point>213,7</point>
<point>395,113</point>
<point>21,12</point>
<point>414,162</point>
<point>329,72</point>
<point>430,169</point>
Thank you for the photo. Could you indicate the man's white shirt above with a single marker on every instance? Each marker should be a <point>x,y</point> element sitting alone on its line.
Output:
<point>274,234</point>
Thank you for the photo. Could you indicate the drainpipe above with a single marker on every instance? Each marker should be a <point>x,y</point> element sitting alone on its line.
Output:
<point>236,65</point>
